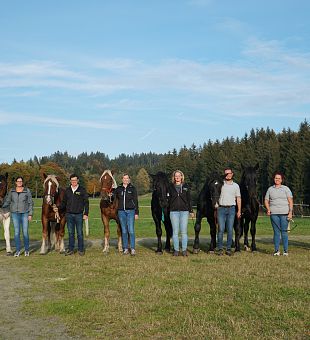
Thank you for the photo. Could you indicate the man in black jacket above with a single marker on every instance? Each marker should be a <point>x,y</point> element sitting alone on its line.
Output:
<point>76,205</point>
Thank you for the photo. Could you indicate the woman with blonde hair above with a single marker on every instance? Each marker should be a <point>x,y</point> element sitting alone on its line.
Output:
<point>180,208</point>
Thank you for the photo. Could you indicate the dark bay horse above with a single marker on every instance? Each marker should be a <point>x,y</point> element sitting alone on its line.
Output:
<point>108,207</point>
<point>52,223</point>
<point>207,204</point>
<point>4,214</point>
<point>249,204</point>
<point>160,209</point>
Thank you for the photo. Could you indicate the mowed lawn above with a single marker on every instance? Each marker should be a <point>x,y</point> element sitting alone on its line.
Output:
<point>249,295</point>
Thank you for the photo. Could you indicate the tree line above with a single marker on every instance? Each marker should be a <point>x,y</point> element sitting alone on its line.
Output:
<point>287,151</point>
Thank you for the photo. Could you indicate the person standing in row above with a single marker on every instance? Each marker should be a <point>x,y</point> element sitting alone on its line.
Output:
<point>76,205</point>
<point>128,212</point>
<point>279,205</point>
<point>180,208</point>
<point>226,212</point>
<point>20,203</point>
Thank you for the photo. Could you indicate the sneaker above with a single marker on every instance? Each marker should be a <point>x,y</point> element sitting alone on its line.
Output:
<point>184,253</point>
<point>176,253</point>
<point>285,253</point>
<point>133,252</point>
<point>277,253</point>
<point>69,252</point>
<point>26,253</point>
<point>228,253</point>
<point>17,254</point>
<point>125,252</point>
<point>220,252</point>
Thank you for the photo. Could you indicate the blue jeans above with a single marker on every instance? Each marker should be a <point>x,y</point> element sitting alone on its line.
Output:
<point>127,220</point>
<point>226,218</point>
<point>179,221</point>
<point>20,220</point>
<point>75,221</point>
<point>279,224</point>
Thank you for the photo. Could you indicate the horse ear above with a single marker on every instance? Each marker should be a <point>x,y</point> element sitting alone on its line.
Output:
<point>44,175</point>
<point>58,178</point>
<point>112,172</point>
<point>256,167</point>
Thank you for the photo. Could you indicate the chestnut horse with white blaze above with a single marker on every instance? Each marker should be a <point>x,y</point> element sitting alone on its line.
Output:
<point>52,222</point>
<point>4,213</point>
<point>108,207</point>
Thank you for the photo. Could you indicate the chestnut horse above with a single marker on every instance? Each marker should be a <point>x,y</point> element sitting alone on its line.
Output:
<point>108,207</point>
<point>52,222</point>
<point>4,213</point>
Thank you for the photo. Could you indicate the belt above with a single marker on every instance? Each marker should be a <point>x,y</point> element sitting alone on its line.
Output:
<point>226,206</point>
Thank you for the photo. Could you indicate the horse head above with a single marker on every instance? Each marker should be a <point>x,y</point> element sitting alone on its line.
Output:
<point>160,188</point>
<point>249,180</point>
<point>108,183</point>
<point>50,188</point>
<point>215,186</point>
<point>3,187</point>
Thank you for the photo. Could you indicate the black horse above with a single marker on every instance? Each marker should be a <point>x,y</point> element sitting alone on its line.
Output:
<point>160,209</point>
<point>207,204</point>
<point>249,204</point>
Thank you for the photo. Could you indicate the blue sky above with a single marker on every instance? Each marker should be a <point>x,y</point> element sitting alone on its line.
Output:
<point>138,76</point>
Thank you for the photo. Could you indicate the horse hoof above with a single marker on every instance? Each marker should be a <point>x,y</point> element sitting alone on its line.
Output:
<point>42,253</point>
<point>211,251</point>
<point>196,250</point>
<point>246,248</point>
<point>167,250</point>
<point>158,252</point>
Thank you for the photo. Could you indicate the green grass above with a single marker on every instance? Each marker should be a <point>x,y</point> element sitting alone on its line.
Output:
<point>250,295</point>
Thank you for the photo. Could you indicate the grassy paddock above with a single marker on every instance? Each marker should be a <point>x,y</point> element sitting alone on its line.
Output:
<point>159,297</point>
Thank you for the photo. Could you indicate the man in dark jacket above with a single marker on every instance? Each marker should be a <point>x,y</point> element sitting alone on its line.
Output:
<point>76,205</point>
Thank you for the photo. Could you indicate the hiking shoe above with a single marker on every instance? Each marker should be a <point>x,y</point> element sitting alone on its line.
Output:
<point>176,253</point>
<point>26,253</point>
<point>125,252</point>
<point>285,253</point>
<point>277,253</point>
<point>81,253</point>
<point>184,253</point>
<point>17,254</point>
<point>133,252</point>
<point>69,252</point>
<point>220,252</point>
<point>228,253</point>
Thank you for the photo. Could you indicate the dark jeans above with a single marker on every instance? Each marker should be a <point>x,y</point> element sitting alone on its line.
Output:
<point>127,220</point>
<point>75,221</point>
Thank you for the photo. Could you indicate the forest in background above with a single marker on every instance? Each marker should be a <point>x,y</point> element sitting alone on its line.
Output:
<point>287,151</point>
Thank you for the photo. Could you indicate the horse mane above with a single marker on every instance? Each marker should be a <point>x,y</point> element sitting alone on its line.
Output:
<point>109,172</point>
<point>53,178</point>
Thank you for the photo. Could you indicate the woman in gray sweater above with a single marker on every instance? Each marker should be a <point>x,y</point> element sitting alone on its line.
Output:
<point>19,201</point>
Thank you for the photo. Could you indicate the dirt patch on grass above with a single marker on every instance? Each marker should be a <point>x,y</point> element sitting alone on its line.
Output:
<point>16,323</point>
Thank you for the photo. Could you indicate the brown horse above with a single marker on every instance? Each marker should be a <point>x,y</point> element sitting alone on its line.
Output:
<point>52,222</point>
<point>108,207</point>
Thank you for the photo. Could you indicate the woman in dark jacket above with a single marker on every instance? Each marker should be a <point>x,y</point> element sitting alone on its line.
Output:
<point>180,208</point>
<point>19,201</point>
<point>128,212</point>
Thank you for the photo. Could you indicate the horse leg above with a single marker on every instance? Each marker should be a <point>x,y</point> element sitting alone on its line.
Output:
<point>57,237</point>
<point>213,235</point>
<point>168,228</point>
<point>43,249</point>
<point>237,234</point>
<point>246,231</point>
<point>106,225</point>
<point>61,235</point>
<point>119,237</point>
<point>157,221</point>
<point>253,233</point>
<point>6,227</point>
<point>53,235</point>
<point>197,229</point>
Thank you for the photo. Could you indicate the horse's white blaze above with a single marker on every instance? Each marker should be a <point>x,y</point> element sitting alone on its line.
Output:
<point>6,230</point>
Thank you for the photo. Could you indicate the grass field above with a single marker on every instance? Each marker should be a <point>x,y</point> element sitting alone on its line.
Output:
<point>247,296</point>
